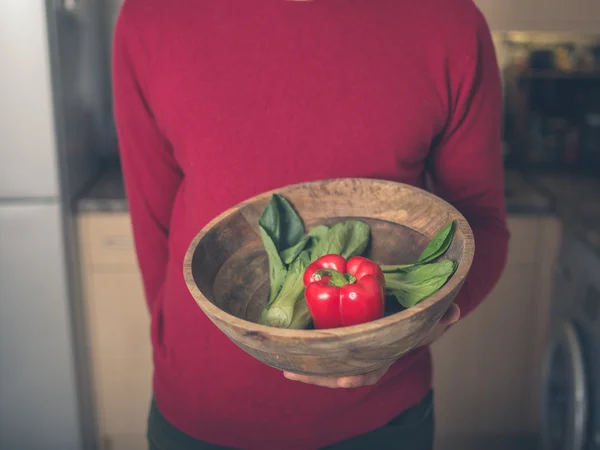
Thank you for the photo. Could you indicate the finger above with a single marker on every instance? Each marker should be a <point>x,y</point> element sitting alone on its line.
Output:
<point>357,381</point>
<point>451,316</point>
<point>367,379</point>
<point>316,381</point>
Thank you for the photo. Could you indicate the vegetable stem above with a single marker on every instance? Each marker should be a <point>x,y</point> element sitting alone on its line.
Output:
<point>280,312</point>
<point>302,317</point>
<point>335,278</point>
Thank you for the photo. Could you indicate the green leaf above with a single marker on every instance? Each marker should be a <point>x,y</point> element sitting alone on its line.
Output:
<point>426,271</point>
<point>281,222</point>
<point>280,227</point>
<point>314,235</point>
<point>419,282</point>
<point>439,244</point>
<point>349,238</point>
<point>277,270</point>
<point>304,258</point>
<point>436,248</point>
<point>319,232</point>
<point>290,254</point>
<point>322,247</point>
<point>357,238</point>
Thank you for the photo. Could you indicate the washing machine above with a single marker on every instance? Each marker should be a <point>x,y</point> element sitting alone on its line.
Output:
<point>571,381</point>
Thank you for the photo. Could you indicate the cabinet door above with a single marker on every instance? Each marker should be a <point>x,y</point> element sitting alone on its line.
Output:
<point>480,366</point>
<point>121,357</point>
<point>107,242</point>
<point>543,291</point>
<point>523,244</point>
<point>487,368</point>
<point>508,14</point>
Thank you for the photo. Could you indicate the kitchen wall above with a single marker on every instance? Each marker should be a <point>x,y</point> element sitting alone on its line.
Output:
<point>555,16</point>
<point>552,100</point>
<point>494,343</point>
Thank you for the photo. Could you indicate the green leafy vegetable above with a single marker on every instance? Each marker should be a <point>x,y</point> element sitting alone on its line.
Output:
<point>437,247</point>
<point>357,238</point>
<point>412,283</point>
<point>290,250</point>
<point>349,238</point>
<point>302,317</point>
<point>304,257</point>
<point>314,235</point>
<point>277,270</point>
<point>280,227</point>
<point>419,282</point>
<point>439,244</point>
<point>287,306</point>
<point>281,222</point>
<point>280,312</point>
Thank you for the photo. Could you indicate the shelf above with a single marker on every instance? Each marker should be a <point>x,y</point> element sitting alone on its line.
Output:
<point>559,75</point>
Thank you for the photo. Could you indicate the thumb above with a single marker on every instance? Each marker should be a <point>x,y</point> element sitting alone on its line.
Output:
<point>451,316</point>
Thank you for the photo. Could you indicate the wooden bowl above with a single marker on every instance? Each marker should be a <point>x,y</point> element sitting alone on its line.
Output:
<point>226,271</point>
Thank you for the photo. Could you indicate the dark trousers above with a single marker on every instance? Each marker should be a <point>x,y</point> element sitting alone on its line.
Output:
<point>411,430</point>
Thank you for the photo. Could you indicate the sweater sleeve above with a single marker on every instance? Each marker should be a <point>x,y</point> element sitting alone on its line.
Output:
<point>150,171</point>
<point>467,165</point>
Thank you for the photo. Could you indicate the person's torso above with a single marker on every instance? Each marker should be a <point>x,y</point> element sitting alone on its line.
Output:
<point>254,95</point>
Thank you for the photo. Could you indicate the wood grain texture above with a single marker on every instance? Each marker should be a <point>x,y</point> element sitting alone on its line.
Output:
<point>226,271</point>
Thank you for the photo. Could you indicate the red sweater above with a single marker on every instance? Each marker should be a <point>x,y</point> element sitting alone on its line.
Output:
<point>219,100</point>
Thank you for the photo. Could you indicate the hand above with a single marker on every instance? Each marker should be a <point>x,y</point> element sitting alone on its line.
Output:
<point>366,379</point>
<point>450,317</point>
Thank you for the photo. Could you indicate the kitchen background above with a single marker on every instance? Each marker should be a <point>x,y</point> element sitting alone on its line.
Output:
<point>522,372</point>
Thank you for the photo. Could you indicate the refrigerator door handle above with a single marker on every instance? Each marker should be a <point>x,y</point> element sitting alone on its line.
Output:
<point>69,6</point>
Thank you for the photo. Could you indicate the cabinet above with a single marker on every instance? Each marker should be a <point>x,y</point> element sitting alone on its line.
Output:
<point>118,329</point>
<point>577,16</point>
<point>487,369</point>
<point>508,15</point>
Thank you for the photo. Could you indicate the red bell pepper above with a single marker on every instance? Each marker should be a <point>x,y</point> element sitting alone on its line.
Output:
<point>343,293</point>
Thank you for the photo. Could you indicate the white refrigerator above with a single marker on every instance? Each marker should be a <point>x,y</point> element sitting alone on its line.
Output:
<point>54,121</point>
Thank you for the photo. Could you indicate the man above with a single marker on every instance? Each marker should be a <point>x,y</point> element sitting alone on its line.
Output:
<point>220,100</point>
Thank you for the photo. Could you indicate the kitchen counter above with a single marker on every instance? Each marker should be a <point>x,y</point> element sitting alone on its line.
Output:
<point>576,201</point>
<point>523,198</point>
<point>108,195</point>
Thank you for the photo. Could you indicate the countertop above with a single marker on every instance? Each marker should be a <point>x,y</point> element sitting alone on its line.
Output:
<point>575,200</point>
<point>523,198</point>
<point>108,195</point>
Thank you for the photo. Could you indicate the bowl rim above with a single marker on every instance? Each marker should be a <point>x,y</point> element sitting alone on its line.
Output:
<point>214,312</point>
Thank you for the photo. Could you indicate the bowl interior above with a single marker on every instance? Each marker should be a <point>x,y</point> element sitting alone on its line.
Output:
<point>230,266</point>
